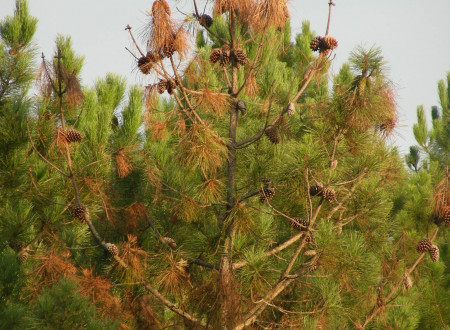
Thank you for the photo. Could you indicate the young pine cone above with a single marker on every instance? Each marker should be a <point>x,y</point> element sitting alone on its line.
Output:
<point>112,248</point>
<point>291,109</point>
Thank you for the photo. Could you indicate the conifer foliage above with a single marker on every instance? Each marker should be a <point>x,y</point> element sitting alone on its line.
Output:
<point>240,188</point>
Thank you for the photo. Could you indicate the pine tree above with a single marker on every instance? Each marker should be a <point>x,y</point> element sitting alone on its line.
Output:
<point>240,188</point>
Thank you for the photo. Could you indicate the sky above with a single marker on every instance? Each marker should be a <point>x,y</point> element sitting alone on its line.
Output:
<point>413,36</point>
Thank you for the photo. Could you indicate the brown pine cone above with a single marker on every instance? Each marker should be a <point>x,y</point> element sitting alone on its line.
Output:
<point>272,134</point>
<point>446,215</point>
<point>224,55</point>
<point>316,190</point>
<point>72,135</point>
<point>205,20</point>
<point>240,56</point>
<point>215,55</point>
<point>299,223</point>
<point>145,64</point>
<point>329,194</point>
<point>224,59</point>
<point>424,245</point>
<point>79,211</point>
<point>162,85</point>
<point>434,253</point>
<point>168,48</point>
<point>315,43</point>
<point>266,194</point>
<point>328,42</point>
<point>171,86</point>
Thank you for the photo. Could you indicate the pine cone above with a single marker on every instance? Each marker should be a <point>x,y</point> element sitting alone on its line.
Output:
<point>162,85</point>
<point>313,266</point>
<point>169,241</point>
<point>299,223</point>
<point>72,135</point>
<point>112,248</point>
<point>205,20</point>
<point>328,42</point>
<point>23,257</point>
<point>434,253</point>
<point>446,215</point>
<point>224,59</point>
<point>310,253</point>
<point>315,43</point>
<point>272,134</point>
<point>316,190</point>
<point>291,109</point>
<point>79,212</point>
<point>266,194</point>
<point>224,55</point>
<point>241,106</point>
<point>168,48</point>
<point>240,56</point>
<point>310,238</point>
<point>215,55</point>
<point>424,245</point>
<point>407,282</point>
<point>171,86</point>
<point>329,194</point>
<point>145,64</point>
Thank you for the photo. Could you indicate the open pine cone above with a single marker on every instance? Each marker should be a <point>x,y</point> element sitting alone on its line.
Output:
<point>424,245</point>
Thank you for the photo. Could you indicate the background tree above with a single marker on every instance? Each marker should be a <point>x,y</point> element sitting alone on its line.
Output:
<point>256,192</point>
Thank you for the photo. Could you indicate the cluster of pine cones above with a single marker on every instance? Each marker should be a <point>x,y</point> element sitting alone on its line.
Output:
<point>223,56</point>
<point>325,192</point>
<point>425,245</point>
<point>163,85</point>
<point>323,44</point>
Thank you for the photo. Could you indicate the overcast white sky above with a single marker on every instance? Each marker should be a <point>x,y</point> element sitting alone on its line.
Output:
<point>413,34</point>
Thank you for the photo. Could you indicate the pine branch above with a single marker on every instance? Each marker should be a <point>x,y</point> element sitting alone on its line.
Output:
<point>207,29</point>
<point>42,156</point>
<point>377,308</point>
<point>247,142</point>
<point>307,79</point>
